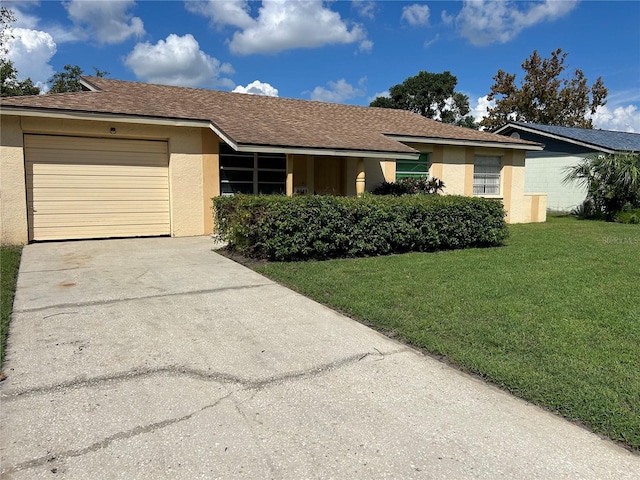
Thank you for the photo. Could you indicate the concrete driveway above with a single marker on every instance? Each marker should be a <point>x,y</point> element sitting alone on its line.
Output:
<point>157,358</point>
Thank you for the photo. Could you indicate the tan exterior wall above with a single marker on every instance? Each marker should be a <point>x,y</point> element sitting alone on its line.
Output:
<point>193,169</point>
<point>454,170</point>
<point>210,175</point>
<point>377,171</point>
<point>13,198</point>
<point>454,166</point>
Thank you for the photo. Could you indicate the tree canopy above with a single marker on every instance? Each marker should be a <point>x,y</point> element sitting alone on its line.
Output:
<point>431,95</point>
<point>546,95</point>
<point>7,17</point>
<point>69,79</point>
<point>10,86</point>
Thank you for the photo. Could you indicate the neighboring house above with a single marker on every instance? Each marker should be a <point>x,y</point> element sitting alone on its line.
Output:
<point>132,159</point>
<point>564,147</point>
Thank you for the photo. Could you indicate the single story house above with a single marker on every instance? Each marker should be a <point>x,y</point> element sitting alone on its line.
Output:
<point>564,147</point>
<point>132,159</point>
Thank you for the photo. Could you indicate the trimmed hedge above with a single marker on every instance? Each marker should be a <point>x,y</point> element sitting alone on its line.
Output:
<point>319,227</point>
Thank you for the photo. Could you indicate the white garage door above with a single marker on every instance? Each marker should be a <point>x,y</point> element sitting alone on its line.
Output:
<point>81,187</point>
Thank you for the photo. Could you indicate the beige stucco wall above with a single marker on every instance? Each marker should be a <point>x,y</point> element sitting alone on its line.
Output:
<point>193,155</point>
<point>377,171</point>
<point>454,166</point>
<point>13,199</point>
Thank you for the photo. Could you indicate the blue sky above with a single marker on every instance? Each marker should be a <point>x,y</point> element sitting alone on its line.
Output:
<point>339,51</point>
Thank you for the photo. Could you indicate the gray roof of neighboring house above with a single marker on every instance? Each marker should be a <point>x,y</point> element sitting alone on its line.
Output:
<point>609,140</point>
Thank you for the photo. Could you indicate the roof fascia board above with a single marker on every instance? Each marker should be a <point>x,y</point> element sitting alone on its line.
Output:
<point>74,115</point>
<point>89,86</point>
<point>327,152</point>
<point>554,136</point>
<point>466,143</point>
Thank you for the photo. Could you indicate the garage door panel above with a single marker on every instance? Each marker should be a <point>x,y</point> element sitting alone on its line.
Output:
<point>61,142</point>
<point>102,219</point>
<point>91,188</point>
<point>111,206</point>
<point>92,194</point>
<point>69,157</point>
<point>101,182</point>
<point>80,169</point>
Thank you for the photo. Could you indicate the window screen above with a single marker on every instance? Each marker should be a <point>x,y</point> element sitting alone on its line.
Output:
<point>486,175</point>
<point>413,168</point>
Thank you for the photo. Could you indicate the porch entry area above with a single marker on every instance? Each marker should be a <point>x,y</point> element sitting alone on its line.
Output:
<point>292,174</point>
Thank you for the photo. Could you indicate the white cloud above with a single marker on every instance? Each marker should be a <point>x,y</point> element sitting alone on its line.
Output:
<point>489,21</point>
<point>60,33</point>
<point>415,14</point>
<point>106,22</point>
<point>257,88</point>
<point>365,9</point>
<point>446,18</point>
<point>228,12</point>
<point>176,61</point>
<point>281,25</point>
<point>428,43</point>
<point>338,91</point>
<point>622,118</point>
<point>479,110</point>
<point>365,46</point>
<point>385,94</point>
<point>23,19</point>
<point>30,51</point>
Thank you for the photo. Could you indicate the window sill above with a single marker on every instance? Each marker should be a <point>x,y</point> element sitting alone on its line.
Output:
<point>492,197</point>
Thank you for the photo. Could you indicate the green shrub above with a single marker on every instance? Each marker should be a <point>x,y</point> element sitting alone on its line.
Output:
<point>320,227</point>
<point>410,186</point>
<point>628,216</point>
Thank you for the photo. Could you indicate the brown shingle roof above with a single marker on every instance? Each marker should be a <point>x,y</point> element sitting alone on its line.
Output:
<point>259,120</point>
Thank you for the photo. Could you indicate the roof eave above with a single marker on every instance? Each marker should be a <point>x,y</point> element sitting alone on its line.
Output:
<point>554,136</point>
<point>180,122</point>
<point>45,112</point>
<point>326,152</point>
<point>466,143</point>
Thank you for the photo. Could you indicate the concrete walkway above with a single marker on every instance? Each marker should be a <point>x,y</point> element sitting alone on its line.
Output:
<point>157,358</point>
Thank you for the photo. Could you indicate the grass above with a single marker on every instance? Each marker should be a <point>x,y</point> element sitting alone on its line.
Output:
<point>9,262</point>
<point>553,317</point>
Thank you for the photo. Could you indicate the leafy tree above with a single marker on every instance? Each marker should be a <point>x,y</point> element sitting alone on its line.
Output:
<point>431,95</point>
<point>612,181</point>
<point>546,95</point>
<point>7,17</point>
<point>69,79</point>
<point>9,84</point>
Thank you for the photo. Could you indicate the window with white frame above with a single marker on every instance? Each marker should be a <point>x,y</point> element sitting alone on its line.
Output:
<point>486,175</point>
<point>251,173</point>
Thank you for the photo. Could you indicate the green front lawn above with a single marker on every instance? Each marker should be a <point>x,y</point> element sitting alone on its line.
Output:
<point>9,262</point>
<point>553,317</point>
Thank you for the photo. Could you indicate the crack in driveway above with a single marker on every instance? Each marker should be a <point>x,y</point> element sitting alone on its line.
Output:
<point>203,375</point>
<point>246,384</point>
<point>129,299</point>
<point>105,442</point>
